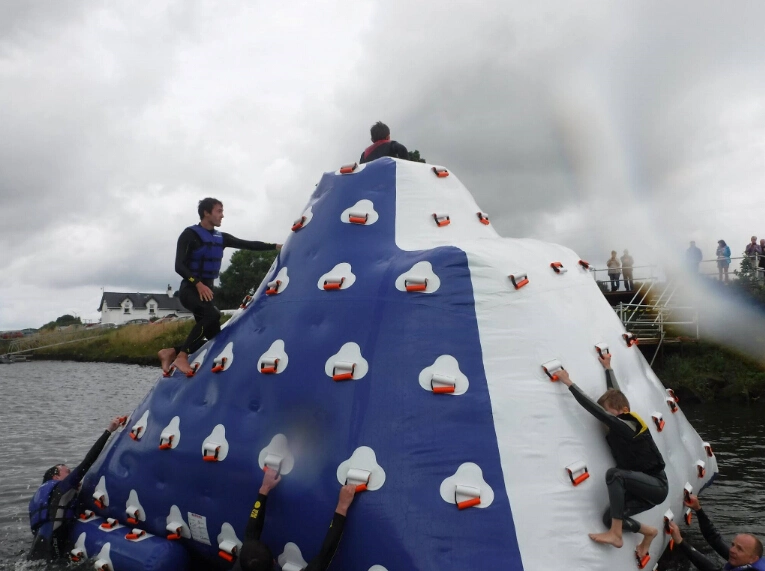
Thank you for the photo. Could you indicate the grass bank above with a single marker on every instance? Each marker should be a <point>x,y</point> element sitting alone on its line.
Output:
<point>135,344</point>
<point>704,372</point>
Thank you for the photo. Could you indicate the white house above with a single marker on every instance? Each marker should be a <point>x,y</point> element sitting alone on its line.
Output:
<point>120,308</point>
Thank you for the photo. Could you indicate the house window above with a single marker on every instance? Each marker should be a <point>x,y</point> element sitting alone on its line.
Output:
<point>127,310</point>
<point>151,310</point>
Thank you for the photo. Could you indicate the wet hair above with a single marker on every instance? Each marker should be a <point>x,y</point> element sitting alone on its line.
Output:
<point>207,205</point>
<point>615,399</point>
<point>379,132</point>
<point>255,556</point>
<point>722,242</point>
<point>51,472</point>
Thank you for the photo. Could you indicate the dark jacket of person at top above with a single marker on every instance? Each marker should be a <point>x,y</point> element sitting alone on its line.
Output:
<point>382,146</point>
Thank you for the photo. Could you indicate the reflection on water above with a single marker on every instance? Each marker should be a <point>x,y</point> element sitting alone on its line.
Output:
<point>53,412</point>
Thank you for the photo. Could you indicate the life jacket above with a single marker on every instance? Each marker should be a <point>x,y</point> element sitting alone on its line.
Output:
<point>41,512</point>
<point>758,565</point>
<point>383,148</point>
<point>205,260</point>
<point>638,452</point>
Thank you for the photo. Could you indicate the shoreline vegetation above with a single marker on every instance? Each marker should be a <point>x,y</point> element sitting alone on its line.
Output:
<point>697,371</point>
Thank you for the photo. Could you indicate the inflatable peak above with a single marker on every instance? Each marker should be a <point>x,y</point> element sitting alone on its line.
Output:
<point>400,344</point>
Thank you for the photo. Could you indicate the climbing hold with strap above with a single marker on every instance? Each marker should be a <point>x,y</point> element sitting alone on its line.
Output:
<point>642,561</point>
<point>133,510</point>
<point>687,491</point>
<point>343,371</point>
<point>277,456</point>
<point>658,420</point>
<point>224,359</point>
<point>136,534</point>
<point>359,478</point>
<point>418,275</point>
<point>630,339</point>
<point>441,384</point>
<point>334,283</point>
<point>215,446</point>
<point>558,268</point>
<point>701,468</point>
<point>171,434</point>
<point>688,517</point>
<point>109,524</point>
<point>602,350</point>
<point>552,367</point>
<point>519,280</point>
<point>348,169</point>
<point>269,365</point>
<point>482,218</point>
<point>87,515</point>
<point>444,377</point>
<point>138,429</point>
<point>708,449</point>
<point>169,372</point>
<point>358,217</point>
<point>672,405</point>
<point>176,525</point>
<point>577,472</point>
<point>273,462</point>
<point>441,219</point>
<point>272,287</point>
<point>672,395</point>
<point>669,517</point>
<point>440,172</point>
<point>298,224</point>
<point>100,495</point>
<point>466,497</point>
<point>228,543</point>
<point>585,265</point>
<point>219,364</point>
<point>416,284</point>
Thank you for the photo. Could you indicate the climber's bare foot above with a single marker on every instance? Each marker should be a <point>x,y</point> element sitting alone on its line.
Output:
<point>182,363</point>
<point>649,533</point>
<point>166,358</point>
<point>609,537</point>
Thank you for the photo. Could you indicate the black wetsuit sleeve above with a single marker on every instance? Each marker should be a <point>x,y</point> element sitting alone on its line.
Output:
<point>712,536</point>
<point>230,241</point>
<point>331,541</point>
<point>611,382</point>
<point>600,413</point>
<point>75,476</point>
<point>257,518</point>
<point>701,562</point>
<point>399,150</point>
<point>188,241</point>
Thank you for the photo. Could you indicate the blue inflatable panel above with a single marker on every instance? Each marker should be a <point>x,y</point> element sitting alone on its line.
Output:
<point>388,341</point>
<point>150,554</point>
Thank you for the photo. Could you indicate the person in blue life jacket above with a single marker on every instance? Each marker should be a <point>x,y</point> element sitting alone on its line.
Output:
<point>638,481</point>
<point>198,258</point>
<point>255,555</point>
<point>744,552</point>
<point>382,146</point>
<point>51,509</point>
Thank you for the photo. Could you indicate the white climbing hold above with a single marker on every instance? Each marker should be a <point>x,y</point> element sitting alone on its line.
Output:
<point>291,558</point>
<point>215,446</point>
<point>277,455</point>
<point>139,428</point>
<point>363,212</point>
<point>347,360</point>
<point>224,359</point>
<point>171,434</point>
<point>442,375</point>
<point>227,539</point>
<point>467,476</point>
<point>100,495</point>
<point>134,509</point>
<point>176,525</point>
<point>339,277</point>
<point>363,462</point>
<point>419,273</point>
<point>274,360</point>
<point>103,560</point>
<point>278,283</point>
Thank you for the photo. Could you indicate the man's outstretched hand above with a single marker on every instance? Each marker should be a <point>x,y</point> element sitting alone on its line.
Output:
<point>270,479</point>
<point>605,360</point>
<point>114,423</point>
<point>693,503</point>
<point>563,377</point>
<point>345,500</point>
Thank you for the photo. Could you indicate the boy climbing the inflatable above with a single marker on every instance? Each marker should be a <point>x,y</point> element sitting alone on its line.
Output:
<point>256,556</point>
<point>638,481</point>
<point>197,260</point>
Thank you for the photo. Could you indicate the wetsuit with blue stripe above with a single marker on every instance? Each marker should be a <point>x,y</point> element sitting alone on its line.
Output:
<point>638,481</point>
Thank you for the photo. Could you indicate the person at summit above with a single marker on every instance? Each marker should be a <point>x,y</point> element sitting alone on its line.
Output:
<point>255,555</point>
<point>723,259</point>
<point>382,146</point>
<point>614,270</point>
<point>693,258</point>
<point>627,263</point>
<point>744,552</point>
<point>51,509</point>
<point>637,482</point>
<point>197,260</point>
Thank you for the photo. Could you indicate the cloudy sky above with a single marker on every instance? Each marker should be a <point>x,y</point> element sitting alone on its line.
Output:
<point>594,124</point>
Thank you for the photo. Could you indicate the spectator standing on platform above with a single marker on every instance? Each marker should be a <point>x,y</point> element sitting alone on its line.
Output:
<point>614,270</point>
<point>627,264</point>
<point>382,146</point>
<point>723,259</point>
<point>761,271</point>
<point>752,249</point>
<point>693,258</point>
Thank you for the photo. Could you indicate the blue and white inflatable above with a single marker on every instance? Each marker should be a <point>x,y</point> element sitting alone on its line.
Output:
<point>398,342</point>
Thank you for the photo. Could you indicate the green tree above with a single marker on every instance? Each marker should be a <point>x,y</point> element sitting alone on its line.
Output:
<point>246,271</point>
<point>63,321</point>
<point>415,157</point>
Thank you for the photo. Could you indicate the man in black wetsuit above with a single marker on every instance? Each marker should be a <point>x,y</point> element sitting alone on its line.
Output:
<point>382,146</point>
<point>638,481</point>
<point>52,507</point>
<point>744,552</point>
<point>256,556</point>
<point>197,259</point>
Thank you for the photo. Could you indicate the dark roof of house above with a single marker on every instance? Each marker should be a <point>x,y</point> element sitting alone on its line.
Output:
<point>114,300</point>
